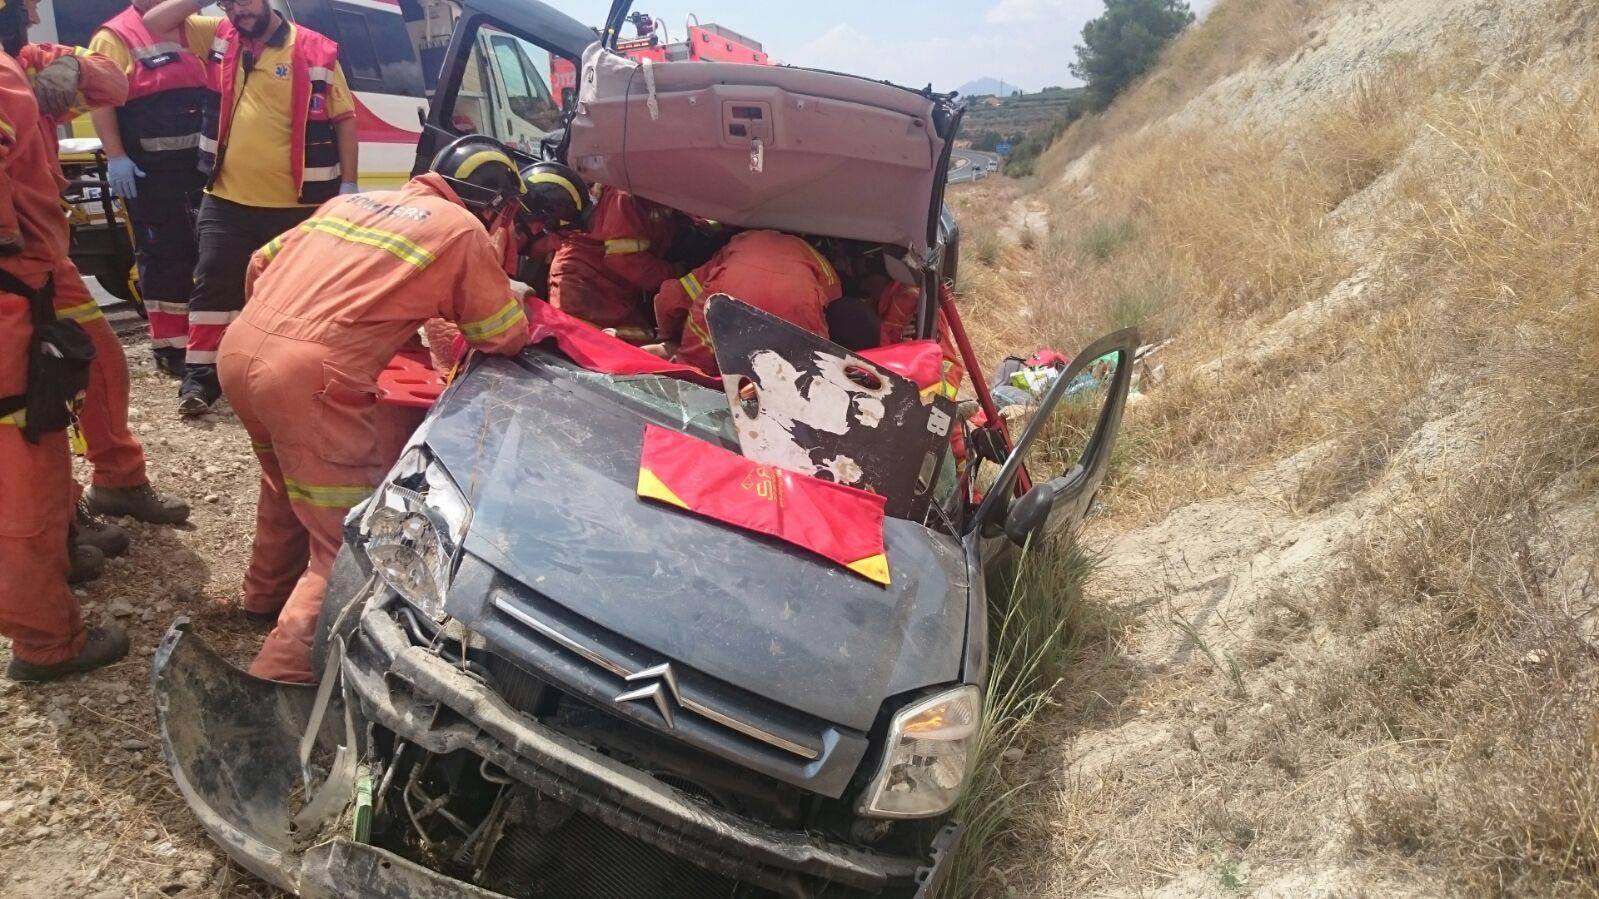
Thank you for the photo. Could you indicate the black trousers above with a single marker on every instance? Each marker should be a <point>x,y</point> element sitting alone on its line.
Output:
<point>227,234</point>
<point>163,217</point>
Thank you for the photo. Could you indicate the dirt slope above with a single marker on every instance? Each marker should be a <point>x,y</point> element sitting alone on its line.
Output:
<point>1351,550</point>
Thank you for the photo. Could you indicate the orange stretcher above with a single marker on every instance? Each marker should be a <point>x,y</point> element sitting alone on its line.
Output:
<point>410,381</point>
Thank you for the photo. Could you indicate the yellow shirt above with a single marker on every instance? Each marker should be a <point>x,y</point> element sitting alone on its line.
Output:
<point>110,46</point>
<point>255,169</point>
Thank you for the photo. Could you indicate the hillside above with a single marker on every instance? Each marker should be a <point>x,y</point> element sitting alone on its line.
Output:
<point>1340,639</point>
<point>1014,117</point>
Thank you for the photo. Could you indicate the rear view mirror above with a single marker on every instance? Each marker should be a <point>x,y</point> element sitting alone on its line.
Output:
<point>1066,445</point>
<point>1029,515</point>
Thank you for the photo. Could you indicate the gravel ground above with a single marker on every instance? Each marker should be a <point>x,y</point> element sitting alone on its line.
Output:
<point>87,808</point>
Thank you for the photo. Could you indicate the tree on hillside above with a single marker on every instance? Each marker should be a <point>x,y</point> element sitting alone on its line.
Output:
<point>1124,42</point>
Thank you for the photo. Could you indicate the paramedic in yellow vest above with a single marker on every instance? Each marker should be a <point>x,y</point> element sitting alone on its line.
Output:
<point>152,145</point>
<point>279,141</point>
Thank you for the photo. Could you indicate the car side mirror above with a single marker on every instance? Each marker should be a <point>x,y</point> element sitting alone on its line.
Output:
<point>1029,515</point>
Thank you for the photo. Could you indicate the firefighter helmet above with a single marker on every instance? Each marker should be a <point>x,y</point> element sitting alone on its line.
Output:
<point>481,172</point>
<point>555,196</point>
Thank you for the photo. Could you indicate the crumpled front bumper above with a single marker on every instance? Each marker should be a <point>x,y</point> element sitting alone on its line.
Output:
<point>402,686</point>
<point>232,742</point>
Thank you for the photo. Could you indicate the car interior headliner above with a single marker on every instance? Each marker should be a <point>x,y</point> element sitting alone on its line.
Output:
<point>776,147</point>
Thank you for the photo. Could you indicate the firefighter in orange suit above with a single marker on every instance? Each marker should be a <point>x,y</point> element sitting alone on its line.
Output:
<point>779,273</point>
<point>37,610</point>
<point>121,484</point>
<point>897,305</point>
<point>606,273</point>
<point>329,304</point>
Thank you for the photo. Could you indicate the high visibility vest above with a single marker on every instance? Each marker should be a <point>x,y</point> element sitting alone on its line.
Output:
<point>313,147</point>
<point>168,93</point>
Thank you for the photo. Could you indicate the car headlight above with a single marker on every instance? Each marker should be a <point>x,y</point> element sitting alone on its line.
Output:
<point>930,748</point>
<point>412,529</point>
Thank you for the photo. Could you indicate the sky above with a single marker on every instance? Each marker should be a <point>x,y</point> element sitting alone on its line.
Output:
<point>945,42</point>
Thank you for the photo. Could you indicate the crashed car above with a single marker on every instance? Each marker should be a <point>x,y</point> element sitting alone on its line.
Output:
<point>549,668</point>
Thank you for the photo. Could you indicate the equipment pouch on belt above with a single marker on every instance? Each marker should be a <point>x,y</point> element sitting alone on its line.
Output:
<point>59,353</point>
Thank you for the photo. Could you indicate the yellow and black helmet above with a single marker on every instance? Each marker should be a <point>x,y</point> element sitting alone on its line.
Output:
<point>555,196</point>
<point>481,172</point>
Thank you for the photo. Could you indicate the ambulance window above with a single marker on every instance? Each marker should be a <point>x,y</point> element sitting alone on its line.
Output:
<point>376,51</point>
<point>526,88</point>
<point>356,52</point>
<point>505,92</point>
<point>76,21</point>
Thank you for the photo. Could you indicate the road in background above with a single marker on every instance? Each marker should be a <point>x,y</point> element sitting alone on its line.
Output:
<point>965,165</point>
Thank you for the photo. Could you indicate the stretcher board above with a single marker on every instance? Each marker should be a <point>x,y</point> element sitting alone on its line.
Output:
<point>409,380</point>
<point>809,405</point>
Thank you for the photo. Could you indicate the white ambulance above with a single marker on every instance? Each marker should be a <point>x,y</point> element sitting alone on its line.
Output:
<point>391,51</point>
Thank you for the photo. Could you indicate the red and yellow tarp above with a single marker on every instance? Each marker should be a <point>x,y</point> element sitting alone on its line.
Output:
<point>838,522</point>
<point>596,350</point>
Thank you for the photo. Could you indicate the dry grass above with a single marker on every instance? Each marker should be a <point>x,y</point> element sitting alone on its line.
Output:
<point>1234,36</point>
<point>1425,717</point>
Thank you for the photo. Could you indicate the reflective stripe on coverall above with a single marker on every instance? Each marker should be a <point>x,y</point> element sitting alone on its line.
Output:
<point>114,454</point>
<point>37,609</point>
<point>330,303</point>
<point>778,273</point>
<point>605,274</point>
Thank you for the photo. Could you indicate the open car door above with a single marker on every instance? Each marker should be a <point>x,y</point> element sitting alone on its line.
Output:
<point>509,73</point>
<point>1065,445</point>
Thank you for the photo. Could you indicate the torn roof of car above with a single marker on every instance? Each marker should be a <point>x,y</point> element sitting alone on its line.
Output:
<point>790,149</point>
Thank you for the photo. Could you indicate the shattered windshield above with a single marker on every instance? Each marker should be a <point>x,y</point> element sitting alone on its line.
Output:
<point>697,409</point>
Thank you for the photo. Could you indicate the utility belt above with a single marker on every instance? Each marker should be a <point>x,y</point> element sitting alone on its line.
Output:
<point>59,353</point>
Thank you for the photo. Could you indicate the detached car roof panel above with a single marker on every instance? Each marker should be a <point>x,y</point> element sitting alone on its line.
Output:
<point>838,155</point>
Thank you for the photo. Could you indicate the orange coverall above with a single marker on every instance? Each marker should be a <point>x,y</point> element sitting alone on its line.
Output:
<point>329,303</point>
<point>37,610</point>
<point>605,274</point>
<point>896,306</point>
<point>114,454</point>
<point>778,273</point>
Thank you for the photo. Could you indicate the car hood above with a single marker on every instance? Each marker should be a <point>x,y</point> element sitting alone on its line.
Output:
<point>548,458</point>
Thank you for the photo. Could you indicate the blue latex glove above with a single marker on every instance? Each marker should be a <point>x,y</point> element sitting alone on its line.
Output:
<point>349,187</point>
<point>123,175</point>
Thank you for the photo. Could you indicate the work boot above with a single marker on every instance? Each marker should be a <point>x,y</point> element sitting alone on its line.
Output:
<point>88,563</point>
<point>170,364</point>
<point>195,402</point>
<point>89,529</point>
<point>261,621</point>
<point>141,502</point>
<point>200,390</point>
<point>104,646</point>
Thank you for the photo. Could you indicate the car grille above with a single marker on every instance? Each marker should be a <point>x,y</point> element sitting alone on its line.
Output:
<point>665,697</point>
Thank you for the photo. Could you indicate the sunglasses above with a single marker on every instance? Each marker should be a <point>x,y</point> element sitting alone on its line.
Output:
<point>233,4</point>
